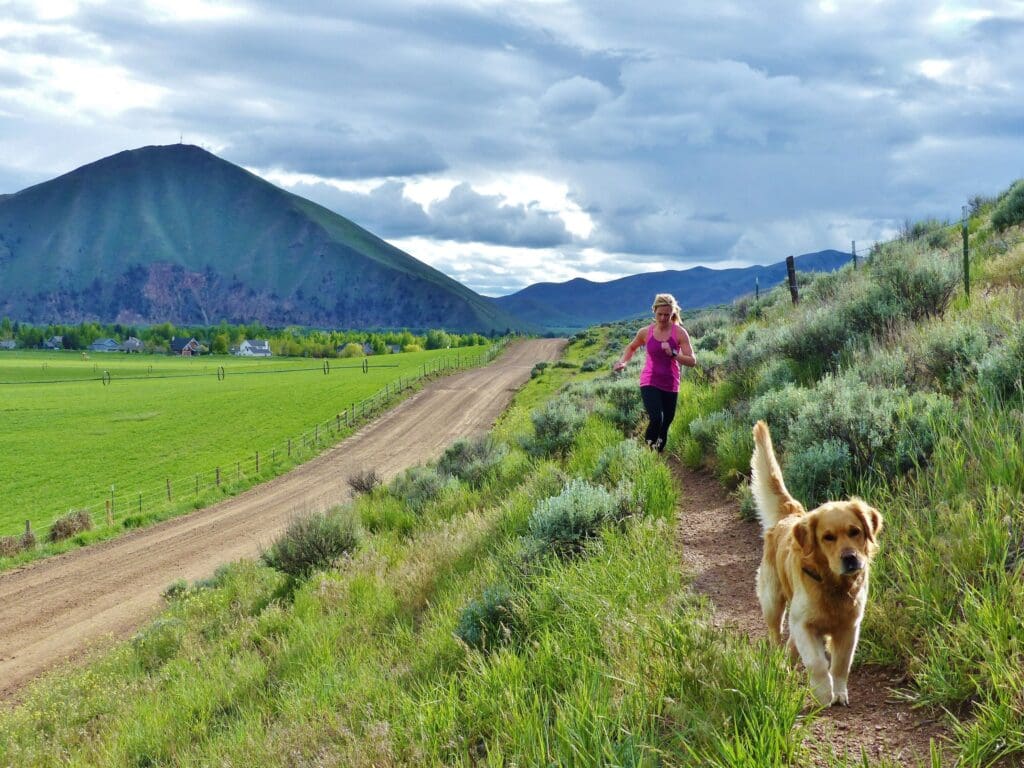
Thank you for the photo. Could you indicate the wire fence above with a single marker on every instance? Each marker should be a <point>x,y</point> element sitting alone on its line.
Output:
<point>126,508</point>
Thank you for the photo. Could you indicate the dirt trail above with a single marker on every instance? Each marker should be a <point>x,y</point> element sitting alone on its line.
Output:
<point>57,609</point>
<point>717,545</point>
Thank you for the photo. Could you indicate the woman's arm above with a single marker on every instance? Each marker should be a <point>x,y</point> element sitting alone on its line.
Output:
<point>630,350</point>
<point>685,354</point>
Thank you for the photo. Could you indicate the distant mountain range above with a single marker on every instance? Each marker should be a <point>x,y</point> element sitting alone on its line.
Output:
<point>177,234</point>
<point>580,303</point>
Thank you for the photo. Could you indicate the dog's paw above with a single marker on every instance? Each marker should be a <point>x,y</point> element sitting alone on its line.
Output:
<point>823,693</point>
<point>842,698</point>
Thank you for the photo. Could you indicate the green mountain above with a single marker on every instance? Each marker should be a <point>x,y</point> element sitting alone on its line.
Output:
<point>580,303</point>
<point>177,234</point>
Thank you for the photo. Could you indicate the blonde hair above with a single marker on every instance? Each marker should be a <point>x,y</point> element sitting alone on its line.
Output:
<point>667,300</point>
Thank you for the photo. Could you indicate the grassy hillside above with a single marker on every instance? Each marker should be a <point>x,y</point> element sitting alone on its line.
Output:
<point>70,438</point>
<point>891,383</point>
<point>177,234</point>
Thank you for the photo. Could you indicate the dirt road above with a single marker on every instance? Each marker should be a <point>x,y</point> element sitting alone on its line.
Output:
<point>56,609</point>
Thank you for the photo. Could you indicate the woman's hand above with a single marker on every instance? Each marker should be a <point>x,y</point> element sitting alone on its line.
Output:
<point>667,348</point>
<point>618,365</point>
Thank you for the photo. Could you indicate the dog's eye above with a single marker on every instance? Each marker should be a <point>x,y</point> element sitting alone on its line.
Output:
<point>854,533</point>
<point>829,537</point>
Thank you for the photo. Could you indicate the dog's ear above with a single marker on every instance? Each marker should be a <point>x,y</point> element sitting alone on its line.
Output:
<point>805,532</point>
<point>871,519</point>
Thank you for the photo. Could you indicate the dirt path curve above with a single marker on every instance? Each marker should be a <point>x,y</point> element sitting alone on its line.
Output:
<point>56,609</point>
<point>722,552</point>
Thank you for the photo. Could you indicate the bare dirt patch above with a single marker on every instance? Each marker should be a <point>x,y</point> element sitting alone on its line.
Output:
<point>721,551</point>
<point>60,608</point>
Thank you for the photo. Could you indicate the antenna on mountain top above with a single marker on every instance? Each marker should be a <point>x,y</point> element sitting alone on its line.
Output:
<point>181,138</point>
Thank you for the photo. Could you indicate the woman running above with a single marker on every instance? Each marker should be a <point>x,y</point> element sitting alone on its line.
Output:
<point>668,347</point>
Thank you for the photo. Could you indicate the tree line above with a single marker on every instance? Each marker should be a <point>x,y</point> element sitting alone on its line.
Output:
<point>220,339</point>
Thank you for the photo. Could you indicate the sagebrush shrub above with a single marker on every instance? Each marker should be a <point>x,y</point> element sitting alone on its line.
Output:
<point>733,446</point>
<point>752,347</point>
<point>1010,209</point>
<point>10,546</point>
<point>615,398</point>
<point>418,486</point>
<point>563,524</point>
<point>364,481</point>
<point>67,526</point>
<point>1001,370</point>
<point>952,352</point>
<point>779,409</point>
<point>592,364</point>
<point>923,284</point>
<point>313,543</point>
<point>472,460</point>
<point>885,430</point>
<point>490,621</point>
<point>555,427</point>
<point>819,472</point>
<point>705,429</point>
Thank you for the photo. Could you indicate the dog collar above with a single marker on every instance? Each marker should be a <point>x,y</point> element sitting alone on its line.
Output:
<point>811,573</point>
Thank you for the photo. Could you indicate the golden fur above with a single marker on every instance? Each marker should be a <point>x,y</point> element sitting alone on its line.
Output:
<point>816,565</point>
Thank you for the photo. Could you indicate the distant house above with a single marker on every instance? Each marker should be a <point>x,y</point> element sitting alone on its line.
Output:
<point>132,344</point>
<point>395,348</point>
<point>254,348</point>
<point>54,342</point>
<point>8,344</point>
<point>104,345</point>
<point>367,348</point>
<point>184,347</point>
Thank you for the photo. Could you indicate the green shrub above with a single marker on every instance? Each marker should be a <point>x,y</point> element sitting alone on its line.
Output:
<point>490,621</point>
<point>592,364</point>
<point>713,339</point>
<point>472,461</point>
<point>9,546</point>
<point>313,542</point>
<point>952,352</point>
<point>158,642</point>
<point>819,472</point>
<point>563,524</point>
<point>750,350</point>
<point>615,398</point>
<point>922,283</point>
<point>555,426</point>
<point>745,497</point>
<point>1010,209</point>
<point>779,409</point>
<point>775,374</point>
<point>1001,370</point>
<point>886,368</point>
<point>417,487</point>
<point>885,430</point>
<point>705,429</point>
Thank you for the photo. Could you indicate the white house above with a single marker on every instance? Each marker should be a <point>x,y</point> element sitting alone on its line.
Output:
<point>254,348</point>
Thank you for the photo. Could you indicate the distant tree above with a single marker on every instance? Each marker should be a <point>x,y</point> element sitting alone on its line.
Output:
<point>437,340</point>
<point>220,343</point>
<point>352,349</point>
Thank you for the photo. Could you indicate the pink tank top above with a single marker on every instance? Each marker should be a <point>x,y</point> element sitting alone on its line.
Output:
<point>660,370</point>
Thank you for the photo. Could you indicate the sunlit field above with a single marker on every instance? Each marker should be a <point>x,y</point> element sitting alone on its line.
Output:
<point>79,431</point>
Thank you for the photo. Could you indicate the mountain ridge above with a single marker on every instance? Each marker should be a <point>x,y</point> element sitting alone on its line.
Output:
<point>579,303</point>
<point>175,233</point>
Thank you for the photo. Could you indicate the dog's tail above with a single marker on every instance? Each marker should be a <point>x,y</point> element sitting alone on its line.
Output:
<point>771,498</point>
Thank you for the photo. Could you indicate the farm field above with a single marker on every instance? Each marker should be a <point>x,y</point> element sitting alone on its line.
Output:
<point>73,428</point>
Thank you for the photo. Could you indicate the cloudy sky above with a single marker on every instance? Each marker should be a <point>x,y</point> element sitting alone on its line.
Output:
<point>508,143</point>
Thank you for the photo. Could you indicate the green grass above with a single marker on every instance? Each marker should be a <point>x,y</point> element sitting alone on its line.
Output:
<point>614,662</point>
<point>68,441</point>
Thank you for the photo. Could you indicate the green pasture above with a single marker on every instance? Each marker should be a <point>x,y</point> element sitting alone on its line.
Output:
<point>76,426</point>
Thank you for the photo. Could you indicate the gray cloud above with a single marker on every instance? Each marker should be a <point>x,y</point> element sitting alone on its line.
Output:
<point>686,131</point>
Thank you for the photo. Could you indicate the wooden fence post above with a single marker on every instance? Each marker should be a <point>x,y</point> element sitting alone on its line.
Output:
<point>110,516</point>
<point>218,477</point>
<point>257,462</point>
<point>794,292</point>
<point>967,264</point>
<point>168,489</point>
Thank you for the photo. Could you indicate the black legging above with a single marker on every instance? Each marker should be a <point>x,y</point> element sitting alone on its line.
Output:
<point>661,409</point>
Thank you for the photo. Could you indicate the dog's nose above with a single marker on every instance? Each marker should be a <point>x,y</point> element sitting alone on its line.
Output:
<point>851,562</point>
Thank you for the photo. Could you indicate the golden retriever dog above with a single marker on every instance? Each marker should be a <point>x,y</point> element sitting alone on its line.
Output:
<point>816,565</point>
